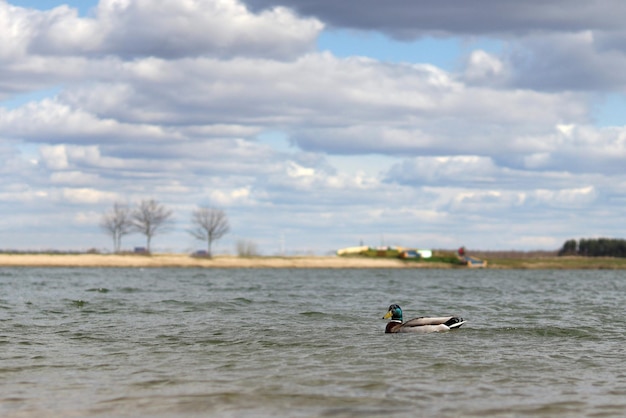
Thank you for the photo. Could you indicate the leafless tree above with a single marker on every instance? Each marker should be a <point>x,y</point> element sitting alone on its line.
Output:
<point>209,224</point>
<point>151,218</point>
<point>246,248</point>
<point>117,223</point>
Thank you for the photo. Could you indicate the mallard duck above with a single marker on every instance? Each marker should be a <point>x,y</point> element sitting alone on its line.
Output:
<point>421,324</point>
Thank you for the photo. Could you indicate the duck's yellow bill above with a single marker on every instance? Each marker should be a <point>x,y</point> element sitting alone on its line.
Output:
<point>388,315</point>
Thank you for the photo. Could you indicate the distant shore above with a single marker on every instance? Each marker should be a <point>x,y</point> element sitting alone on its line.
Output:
<point>183,260</point>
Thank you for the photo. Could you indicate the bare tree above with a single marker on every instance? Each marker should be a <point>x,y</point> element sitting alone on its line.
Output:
<point>246,248</point>
<point>151,218</point>
<point>209,224</point>
<point>117,223</point>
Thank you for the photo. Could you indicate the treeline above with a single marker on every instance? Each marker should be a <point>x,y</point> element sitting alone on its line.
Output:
<point>594,247</point>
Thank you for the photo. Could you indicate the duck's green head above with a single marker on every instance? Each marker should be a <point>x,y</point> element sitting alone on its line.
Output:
<point>394,312</point>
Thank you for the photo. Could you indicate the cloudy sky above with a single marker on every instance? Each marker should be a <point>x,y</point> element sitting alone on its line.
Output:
<point>315,125</point>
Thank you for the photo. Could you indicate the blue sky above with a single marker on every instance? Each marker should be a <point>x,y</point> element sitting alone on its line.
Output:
<point>314,126</point>
<point>82,6</point>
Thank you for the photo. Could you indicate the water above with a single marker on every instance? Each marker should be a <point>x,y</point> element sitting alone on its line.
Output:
<point>302,343</point>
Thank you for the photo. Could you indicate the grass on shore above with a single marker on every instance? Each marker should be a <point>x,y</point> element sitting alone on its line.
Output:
<point>440,259</point>
<point>590,263</point>
<point>528,260</point>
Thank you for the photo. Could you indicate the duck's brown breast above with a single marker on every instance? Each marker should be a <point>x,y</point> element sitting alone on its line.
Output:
<point>392,327</point>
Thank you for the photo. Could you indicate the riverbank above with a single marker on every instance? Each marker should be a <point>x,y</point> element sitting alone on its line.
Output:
<point>183,260</point>
<point>560,263</point>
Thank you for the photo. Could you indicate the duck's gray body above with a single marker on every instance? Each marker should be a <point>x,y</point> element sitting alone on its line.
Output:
<point>421,324</point>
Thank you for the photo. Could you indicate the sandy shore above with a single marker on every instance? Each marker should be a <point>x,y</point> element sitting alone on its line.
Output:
<point>332,262</point>
<point>182,260</point>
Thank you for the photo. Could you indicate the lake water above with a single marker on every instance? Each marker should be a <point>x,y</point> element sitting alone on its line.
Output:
<point>309,343</point>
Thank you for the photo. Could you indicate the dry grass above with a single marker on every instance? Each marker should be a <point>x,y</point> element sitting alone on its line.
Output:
<point>182,260</point>
<point>496,261</point>
<point>514,254</point>
<point>573,262</point>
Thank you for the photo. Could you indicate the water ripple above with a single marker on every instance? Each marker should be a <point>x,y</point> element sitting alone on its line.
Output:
<point>268,343</point>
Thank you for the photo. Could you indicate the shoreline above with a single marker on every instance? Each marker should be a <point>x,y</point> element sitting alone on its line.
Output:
<point>326,262</point>
<point>187,261</point>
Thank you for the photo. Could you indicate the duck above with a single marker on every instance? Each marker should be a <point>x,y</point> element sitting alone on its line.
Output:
<point>421,324</point>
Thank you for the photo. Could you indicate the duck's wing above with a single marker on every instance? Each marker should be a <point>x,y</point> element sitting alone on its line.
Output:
<point>432,324</point>
<point>430,320</point>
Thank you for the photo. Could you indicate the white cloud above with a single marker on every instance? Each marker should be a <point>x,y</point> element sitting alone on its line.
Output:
<point>87,195</point>
<point>23,195</point>
<point>567,197</point>
<point>169,28</point>
<point>465,169</point>
<point>566,130</point>
<point>52,121</point>
<point>192,27</point>
<point>74,178</point>
<point>237,196</point>
<point>537,160</point>
<point>54,157</point>
<point>295,170</point>
<point>87,218</point>
<point>485,68</point>
<point>176,100</point>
